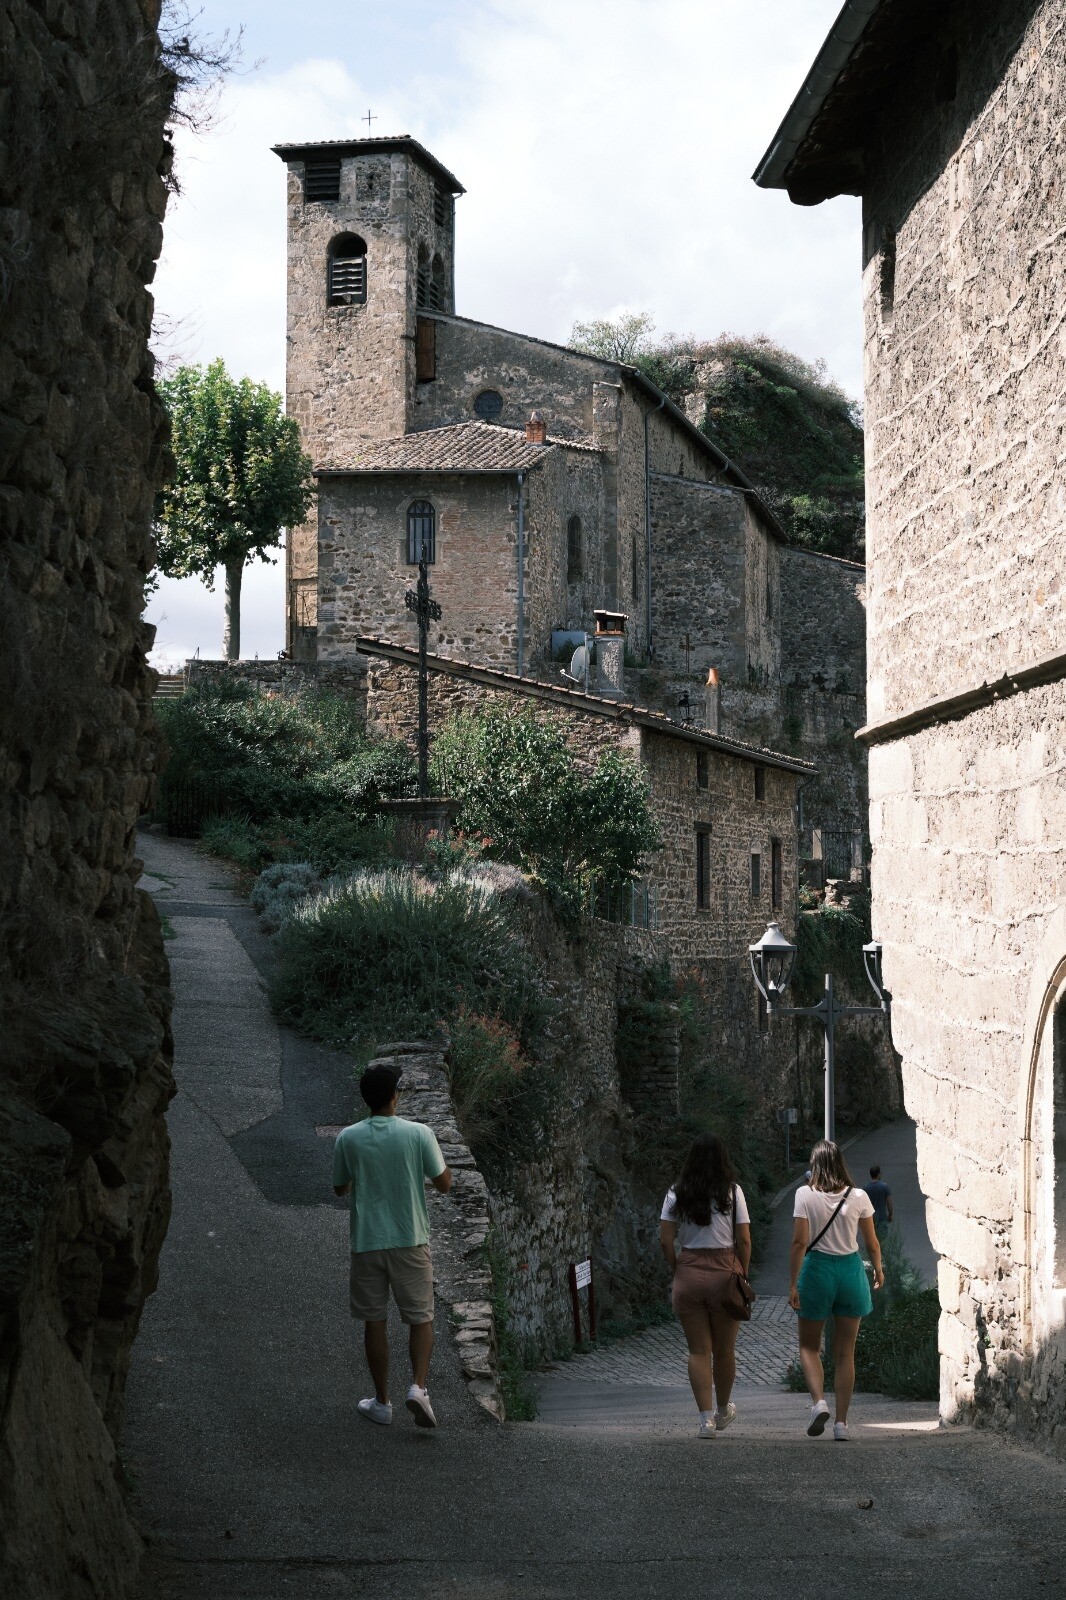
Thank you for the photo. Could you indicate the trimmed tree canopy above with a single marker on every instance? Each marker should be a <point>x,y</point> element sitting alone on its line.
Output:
<point>240,477</point>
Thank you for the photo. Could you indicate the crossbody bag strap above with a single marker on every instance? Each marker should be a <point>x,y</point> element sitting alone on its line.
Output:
<point>829,1224</point>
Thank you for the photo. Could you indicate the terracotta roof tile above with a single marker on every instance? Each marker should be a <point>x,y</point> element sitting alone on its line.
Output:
<point>465,447</point>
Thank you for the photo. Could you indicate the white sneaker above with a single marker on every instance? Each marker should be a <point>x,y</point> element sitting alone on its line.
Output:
<point>840,1430</point>
<point>419,1407</point>
<point>379,1411</point>
<point>722,1419</point>
<point>819,1418</point>
<point>706,1429</point>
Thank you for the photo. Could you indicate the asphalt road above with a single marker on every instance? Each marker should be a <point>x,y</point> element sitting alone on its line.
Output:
<point>256,1479</point>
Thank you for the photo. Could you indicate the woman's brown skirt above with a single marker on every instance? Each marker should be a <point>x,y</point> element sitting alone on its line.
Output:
<point>700,1280</point>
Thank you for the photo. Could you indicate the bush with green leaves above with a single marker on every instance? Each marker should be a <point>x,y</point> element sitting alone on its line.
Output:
<point>387,954</point>
<point>279,889</point>
<point>503,1098</point>
<point>522,791</point>
<point>265,757</point>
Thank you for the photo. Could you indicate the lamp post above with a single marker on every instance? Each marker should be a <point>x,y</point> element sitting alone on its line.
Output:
<point>772,961</point>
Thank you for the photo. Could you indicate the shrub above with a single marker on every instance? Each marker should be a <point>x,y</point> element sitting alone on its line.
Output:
<point>237,840</point>
<point>269,756</point>
<point>502,1099</point>
<point>387,953</point>
<point>279,889</point>
<point>521,791</point>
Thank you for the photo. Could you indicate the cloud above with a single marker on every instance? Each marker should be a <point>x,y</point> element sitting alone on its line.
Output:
<point>606,150</point>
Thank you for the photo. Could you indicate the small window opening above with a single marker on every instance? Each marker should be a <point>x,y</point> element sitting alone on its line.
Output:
<point>425,350</point>
<point>322,180</point>
<point>347,270</point>
<point>437,287</point>
<point>703,766</point>
<point>776,874</point>
<point>440,207</point>
<point>1058,1037</point>
<point>703,869</point>
<point>422,279</point>
<point>573,550</point>
<point>488,405</point>
<point>887,279</point>
<point>756,875</point>
<point>760,783</point>
<point>421,530</point>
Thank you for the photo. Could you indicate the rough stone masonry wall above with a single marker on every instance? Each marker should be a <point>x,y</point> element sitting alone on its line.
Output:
<point>85,1074</point>
<point>966,380</point>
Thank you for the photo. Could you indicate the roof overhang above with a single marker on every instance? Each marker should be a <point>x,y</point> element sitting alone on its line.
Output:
<point>401,142</point>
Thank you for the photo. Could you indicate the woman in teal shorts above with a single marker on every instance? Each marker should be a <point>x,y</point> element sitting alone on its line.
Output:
<point>829,1279</point>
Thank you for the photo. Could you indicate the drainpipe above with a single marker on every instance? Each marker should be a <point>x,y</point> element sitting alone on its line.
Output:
<point>521,576</point>
<point>647,531</point>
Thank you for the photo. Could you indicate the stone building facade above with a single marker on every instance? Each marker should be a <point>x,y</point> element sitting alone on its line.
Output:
<point>84,995</point>
<point>948,122</point>
<point>548,483</point>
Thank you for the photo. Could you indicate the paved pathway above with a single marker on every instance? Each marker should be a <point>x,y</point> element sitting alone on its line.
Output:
<point>257,1481</point>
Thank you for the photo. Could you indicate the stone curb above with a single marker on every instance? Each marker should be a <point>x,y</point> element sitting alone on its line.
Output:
<point>460,1218</point>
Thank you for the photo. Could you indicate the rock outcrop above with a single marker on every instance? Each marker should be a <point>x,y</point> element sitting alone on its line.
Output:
<point>84,1059</point>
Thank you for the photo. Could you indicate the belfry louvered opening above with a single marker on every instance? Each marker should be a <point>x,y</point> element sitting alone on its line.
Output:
<point>347,270</point>
<point>322,179</point>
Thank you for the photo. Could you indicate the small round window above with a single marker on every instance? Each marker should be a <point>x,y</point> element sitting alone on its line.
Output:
<point>488,405</point>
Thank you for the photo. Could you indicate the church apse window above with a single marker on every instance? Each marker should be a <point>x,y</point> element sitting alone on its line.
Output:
<point>346,278</point>
<point>421,530</point>
<point>322,180</point>
<point>573,550</point>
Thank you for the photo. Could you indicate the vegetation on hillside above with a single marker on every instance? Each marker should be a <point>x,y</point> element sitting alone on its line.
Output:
<point>781,419</point>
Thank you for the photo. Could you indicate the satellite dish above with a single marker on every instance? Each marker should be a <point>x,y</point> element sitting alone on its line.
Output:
<point>579,663</point>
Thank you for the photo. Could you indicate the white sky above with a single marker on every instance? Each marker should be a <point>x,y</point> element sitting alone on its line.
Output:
<point>606,147</point>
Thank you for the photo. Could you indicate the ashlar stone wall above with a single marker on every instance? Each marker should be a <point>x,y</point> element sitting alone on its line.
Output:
<point>966,382</point>
<point>84,998</point>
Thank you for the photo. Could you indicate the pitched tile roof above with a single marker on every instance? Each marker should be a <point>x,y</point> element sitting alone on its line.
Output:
<point>464,447</point>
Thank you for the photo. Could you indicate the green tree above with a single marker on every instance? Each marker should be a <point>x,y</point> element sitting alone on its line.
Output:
<point>620,338</point>
<point>520,787</point>
<point>240,477</point>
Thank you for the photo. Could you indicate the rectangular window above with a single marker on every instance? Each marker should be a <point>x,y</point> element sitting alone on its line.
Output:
<point>760,783</point>
<point>440,207</point>
<point>703,769</point>
<point>756,875</point>
<point>425,350</point>
<point>703,869</point>
<point>347,281</point>
<point>322,179</point>
<point>776,873</point>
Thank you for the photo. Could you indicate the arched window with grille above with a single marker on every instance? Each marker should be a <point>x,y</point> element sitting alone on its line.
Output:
<point>421,529</point>
<point>346,283</point>
<point>573,550</point>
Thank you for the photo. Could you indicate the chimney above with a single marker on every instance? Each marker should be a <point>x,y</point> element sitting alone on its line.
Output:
<point>611,653</point>
<point>712,702</point>
<point>536,429</point>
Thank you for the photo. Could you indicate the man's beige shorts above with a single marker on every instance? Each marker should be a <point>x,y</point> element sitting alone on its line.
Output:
<point>408,1272</point>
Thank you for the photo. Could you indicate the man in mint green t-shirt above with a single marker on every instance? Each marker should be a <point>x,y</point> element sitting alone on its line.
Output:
<point>383,1163</point>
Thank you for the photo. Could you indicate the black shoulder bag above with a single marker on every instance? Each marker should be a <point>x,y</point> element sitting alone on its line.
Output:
<point>738,1296</point>
<point>829,1224</point>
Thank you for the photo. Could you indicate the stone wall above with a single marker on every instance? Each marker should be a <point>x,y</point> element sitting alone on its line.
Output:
<point>289,678</point>
<point>85,1075</point>
<point>964,261</point>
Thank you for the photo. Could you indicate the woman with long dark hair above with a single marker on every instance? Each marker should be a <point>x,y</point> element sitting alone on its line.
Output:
<point>706,1217</point>
<point>829,1279</point>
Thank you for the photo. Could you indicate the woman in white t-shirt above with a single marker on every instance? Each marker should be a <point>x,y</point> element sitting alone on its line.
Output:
<point>698,1218</point>
<point>829,1279</point>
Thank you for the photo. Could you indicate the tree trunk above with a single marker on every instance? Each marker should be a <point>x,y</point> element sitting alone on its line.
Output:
<point>231,638</point>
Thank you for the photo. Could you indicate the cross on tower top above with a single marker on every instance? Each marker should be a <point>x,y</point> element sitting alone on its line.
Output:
<point>368,119</point>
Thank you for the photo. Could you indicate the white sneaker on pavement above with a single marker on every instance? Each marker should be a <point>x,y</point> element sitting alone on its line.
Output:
<point>840,1430</point>
<point>374,1410</point>
<point>706,1429</point>
<point>819,1418</point>
<point>722,1419</point>
<point>419,1407</point>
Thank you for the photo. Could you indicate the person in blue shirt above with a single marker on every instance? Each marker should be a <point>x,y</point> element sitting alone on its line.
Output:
<point>881,1195</point>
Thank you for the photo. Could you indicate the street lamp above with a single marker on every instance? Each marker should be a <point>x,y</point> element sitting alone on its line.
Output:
<point>772,961</point>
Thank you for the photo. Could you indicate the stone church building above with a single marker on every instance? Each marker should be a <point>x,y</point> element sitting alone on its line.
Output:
<point>545,484</point>
<point>948,121</point>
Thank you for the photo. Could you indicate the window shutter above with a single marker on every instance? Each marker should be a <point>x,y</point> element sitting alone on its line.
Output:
<point>347,280</point>
<point>425,350</point>
<point>322,179</point>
